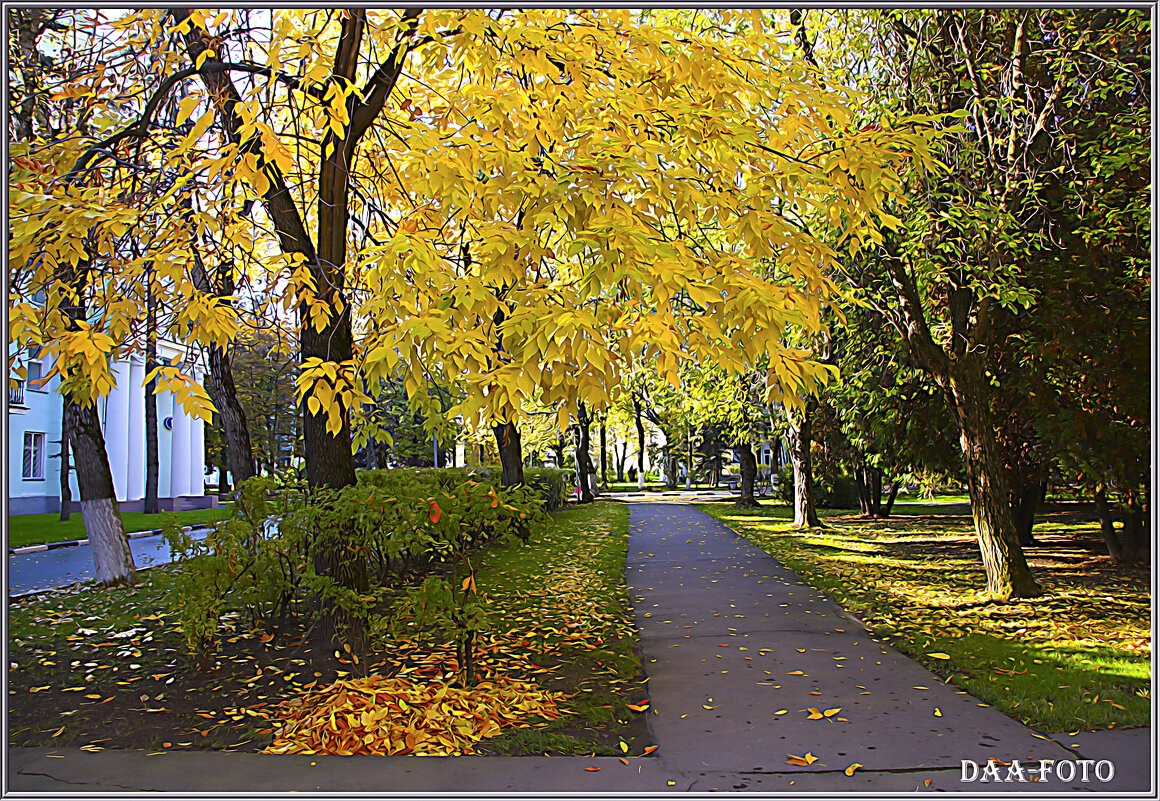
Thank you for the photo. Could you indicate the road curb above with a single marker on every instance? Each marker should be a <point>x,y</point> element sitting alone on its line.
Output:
<point>52,546</point>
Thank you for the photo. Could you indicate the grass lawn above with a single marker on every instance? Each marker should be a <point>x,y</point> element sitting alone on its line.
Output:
<point>41,529</point>
<point>107,668</point>
<point>1079,657</point>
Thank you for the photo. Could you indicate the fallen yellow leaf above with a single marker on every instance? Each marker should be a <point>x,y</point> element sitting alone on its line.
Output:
<point>802,761</point>
<point>850,770</point>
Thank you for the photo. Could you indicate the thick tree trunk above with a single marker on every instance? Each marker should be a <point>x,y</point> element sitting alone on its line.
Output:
<point>799,433</point>
<point>1107,525</point>
<point>511,459</point>
<point>1135,528</point>
<point>65,467</point>
<point>671,462</point>
<point>748,463</point>
<point>329,461</point>
<point>637,415</point>
<point>1024,505</point>
<point>1008,575</point>
<point>112,559</point>
<point>583,460</point>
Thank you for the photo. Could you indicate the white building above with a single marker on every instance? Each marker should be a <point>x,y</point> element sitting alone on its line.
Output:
<point>34,425</point>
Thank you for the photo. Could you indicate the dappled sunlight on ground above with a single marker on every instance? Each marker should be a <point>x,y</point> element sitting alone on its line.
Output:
<point>919,581</point>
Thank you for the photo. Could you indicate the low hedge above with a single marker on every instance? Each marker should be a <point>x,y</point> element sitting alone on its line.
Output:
<point>391,523</point>
<point>547,483</point>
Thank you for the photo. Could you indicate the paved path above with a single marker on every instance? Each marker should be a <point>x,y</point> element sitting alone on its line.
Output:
<point>44,570</point>
<point>730,638</point>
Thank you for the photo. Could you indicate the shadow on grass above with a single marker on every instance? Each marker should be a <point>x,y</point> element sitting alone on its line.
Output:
<point>1077,657</point>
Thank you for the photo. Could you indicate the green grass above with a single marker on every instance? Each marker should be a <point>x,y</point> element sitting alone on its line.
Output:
<point>1076,658</point>
<point>567,586</point>
<point>41,529</point>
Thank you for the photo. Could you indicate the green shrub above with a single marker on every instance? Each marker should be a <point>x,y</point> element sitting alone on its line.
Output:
<point>785,484</point>
<point>391,525</point>
<point>838,492</point>
<point>245,559</point>
<point>550,484</point>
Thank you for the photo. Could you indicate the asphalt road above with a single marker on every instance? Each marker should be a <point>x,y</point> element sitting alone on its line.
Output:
<point>44,570</point>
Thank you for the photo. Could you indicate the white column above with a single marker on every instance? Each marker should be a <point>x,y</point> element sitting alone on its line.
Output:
<point>197,451</point>
<point>180,456</point>
<point>136,434</point>
<point>117,429</point>
<point>164,445</point>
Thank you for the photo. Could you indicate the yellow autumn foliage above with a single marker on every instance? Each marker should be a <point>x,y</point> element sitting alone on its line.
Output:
<point>397,716</point>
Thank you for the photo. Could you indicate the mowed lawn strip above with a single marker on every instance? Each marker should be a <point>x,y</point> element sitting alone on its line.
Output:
<point>107,668</point>
<point>1079,657</point>
<point>47,528</point>
<point>565,590</point>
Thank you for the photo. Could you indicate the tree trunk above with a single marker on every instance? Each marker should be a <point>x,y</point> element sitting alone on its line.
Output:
<point>1008,575</point>
<point>799,433</point>
<point>874,475</point>
<point>1135,542</point>
<point>637,412</point>
<point>152,460</point>
<point>112,558</point>
<point>671,462</point>
<point>507,440</point>
<point>863,489</point>
<point>65,467</point>
<point>329,461</point>
<point>583,460</point>
<point>748,463</point>
<point>558,449</point>
<point>1024,504</point>
<point>603,455</point>
<point>890,498</point>
<point>619,454</point>
<point>1107,525</point>
<point>688,459</point>
<point>222,390</point>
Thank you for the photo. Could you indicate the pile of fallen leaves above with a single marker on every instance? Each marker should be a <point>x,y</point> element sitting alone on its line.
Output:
<point>396,716</point>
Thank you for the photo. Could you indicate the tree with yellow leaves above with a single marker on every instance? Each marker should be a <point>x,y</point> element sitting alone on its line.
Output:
<point>519,204</point>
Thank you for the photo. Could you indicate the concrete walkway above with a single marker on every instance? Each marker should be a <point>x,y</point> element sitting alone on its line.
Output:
<point>730,638</point>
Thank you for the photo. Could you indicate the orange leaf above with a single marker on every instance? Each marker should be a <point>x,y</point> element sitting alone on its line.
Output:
<point>435,511</point>
<point>591,768</point>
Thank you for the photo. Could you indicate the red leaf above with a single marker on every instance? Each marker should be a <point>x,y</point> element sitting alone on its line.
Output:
<point>436,512</point>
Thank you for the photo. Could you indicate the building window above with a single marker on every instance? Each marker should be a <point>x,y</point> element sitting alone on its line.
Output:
<point>33,455</point>
<point>35,376</point>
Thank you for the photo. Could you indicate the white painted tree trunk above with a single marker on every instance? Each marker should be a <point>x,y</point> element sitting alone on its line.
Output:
<point>111,555</point>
